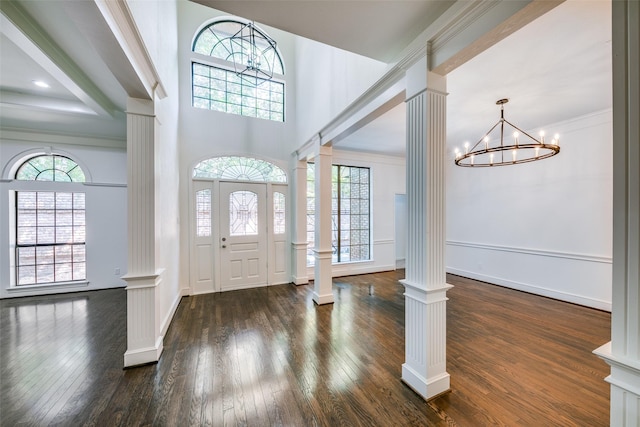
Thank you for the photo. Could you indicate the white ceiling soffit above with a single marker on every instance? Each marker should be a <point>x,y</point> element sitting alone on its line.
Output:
<point>376,29</point>
<point>68,45</point>
<point>26,34</point>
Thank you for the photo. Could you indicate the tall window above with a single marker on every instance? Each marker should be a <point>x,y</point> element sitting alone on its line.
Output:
<point>50,225</point>
<point>236,70</point>
<point>349,213</point>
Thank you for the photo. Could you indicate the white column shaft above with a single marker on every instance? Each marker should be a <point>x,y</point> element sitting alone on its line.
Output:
<point>623,352</point>
<point>144,343</point>
<point>299,231</point>
<point>322,287</point>
<point>424,369</point>
<point>141,190</point>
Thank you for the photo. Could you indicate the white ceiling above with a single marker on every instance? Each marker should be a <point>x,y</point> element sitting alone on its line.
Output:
<point>557,67</point>
<point>67,106</point>
<point>377,29</point>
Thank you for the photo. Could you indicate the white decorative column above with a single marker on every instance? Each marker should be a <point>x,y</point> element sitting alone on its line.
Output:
<point>322,285</point>
<point>425,284</point>
<point>299,231</point>
<point>623,352</point>
<point>144,343</point>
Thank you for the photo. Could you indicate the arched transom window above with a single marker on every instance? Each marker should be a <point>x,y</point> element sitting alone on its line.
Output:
<point>239,169</point>
<point>50,225</point>
<point>50,168</point>
<point>237,70</point>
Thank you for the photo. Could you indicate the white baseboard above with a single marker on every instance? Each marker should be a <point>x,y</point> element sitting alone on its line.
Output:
<point>354,269</point>
<point>534,289</point>
<point>164,326</point>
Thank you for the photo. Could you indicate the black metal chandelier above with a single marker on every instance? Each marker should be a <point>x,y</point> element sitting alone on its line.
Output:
<point>498,152</point>
<point>253,54</point>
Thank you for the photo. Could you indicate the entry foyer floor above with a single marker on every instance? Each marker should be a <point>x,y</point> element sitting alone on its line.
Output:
<point>268,356</point>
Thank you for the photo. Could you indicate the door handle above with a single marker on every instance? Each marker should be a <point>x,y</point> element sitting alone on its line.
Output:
<point>224,246</point>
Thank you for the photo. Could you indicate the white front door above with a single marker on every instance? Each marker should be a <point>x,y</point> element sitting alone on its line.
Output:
<point>243,235</point>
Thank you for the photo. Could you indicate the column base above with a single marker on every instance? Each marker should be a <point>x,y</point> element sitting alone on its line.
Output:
<point>300,280</point>
<point>323,299</point>
<point>625,387</point>
<point>143,356</point>
<point>428,389</point>
<point>425,367</point>
<point>144,339</point>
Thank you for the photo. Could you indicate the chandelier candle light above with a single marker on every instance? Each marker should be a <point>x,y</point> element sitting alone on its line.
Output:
<point>523,148</point>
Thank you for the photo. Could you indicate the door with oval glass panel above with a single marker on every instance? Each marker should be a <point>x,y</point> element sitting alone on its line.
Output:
<point>243,235</point>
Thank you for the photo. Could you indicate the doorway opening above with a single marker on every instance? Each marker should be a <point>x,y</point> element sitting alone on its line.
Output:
<point>239,225</point>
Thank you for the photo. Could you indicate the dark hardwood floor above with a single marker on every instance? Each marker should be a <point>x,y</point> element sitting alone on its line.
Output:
<point>268,356</point>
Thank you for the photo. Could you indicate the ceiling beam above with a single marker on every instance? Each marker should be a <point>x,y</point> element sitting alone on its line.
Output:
<point>123,26</point>
<point>478,28</point>
<point>92,24</point>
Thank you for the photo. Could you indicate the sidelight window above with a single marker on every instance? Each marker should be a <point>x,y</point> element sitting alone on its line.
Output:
<point>350,213</point>
<point>279,217</point>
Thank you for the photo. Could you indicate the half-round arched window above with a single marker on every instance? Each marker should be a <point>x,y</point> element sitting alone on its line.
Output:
<point>240,169</point>
<point>237,69</point>
<point>50,168</point>
<point>242,44</point>
<point>50,225</point>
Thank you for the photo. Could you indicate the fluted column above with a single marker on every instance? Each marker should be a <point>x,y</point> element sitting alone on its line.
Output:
<point>623,352</point>
<point>322,285</point>
<point>144,344</point>
<point>425,284</point>
<point>299,232</point>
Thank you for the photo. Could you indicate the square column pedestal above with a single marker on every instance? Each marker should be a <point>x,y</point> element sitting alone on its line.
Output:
<point>425,367</point>
<point>144,342</point>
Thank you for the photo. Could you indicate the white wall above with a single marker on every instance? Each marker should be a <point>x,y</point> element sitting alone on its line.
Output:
<point>106,206</point>
<point>401,229</point>
<point>204,134</point>
<point>387,180</point>
<point>543,227</point>
<point>329,79</point>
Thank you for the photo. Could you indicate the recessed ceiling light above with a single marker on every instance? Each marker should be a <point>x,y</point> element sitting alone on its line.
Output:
<point>40,83</point>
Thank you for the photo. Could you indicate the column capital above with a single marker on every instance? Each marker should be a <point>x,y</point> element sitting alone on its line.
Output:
<point>324,150</point>
<point>141,107</point>
<point>419,79</point>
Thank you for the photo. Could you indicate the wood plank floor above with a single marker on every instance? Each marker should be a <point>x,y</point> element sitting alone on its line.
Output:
<point>268,356</point>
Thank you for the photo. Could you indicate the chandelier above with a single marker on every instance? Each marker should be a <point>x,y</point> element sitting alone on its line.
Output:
<point>523,148</point>
<point>253,54</point>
